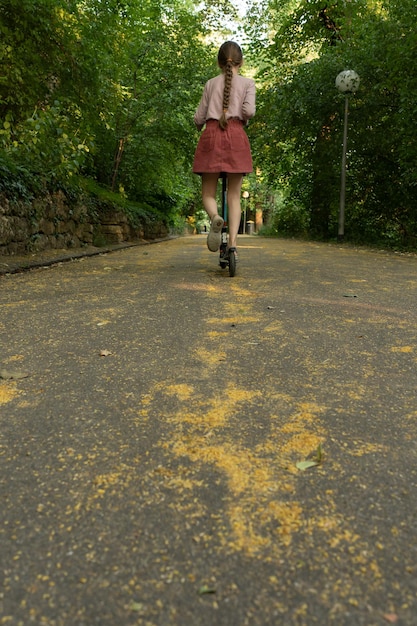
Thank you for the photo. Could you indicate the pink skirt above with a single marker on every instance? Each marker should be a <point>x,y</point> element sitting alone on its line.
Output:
<point>223,150</point>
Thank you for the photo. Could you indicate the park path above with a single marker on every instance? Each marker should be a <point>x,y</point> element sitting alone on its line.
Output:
<point>153,412</point>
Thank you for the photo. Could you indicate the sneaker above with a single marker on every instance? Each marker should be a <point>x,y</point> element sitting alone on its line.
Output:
<point>214,238</point>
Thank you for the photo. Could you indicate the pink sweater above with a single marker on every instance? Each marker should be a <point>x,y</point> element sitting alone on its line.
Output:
<point>241,105</point>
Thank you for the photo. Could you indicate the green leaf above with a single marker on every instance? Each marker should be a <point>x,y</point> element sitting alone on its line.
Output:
<point>305,465</point>
<point>204,590</point>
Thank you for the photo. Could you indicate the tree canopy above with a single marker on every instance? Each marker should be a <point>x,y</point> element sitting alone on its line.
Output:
<point>300,47</point>
<point>106,90</point>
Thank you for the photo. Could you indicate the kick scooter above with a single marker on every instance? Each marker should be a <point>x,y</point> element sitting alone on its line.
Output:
<point>227,255</point>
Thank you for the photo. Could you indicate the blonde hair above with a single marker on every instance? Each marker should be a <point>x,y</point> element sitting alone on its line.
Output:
<point>229,56</point>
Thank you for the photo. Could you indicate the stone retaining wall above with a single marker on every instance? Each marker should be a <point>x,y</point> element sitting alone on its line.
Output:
<point>51,222</point>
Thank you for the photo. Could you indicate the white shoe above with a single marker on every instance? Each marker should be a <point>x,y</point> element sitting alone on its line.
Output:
<point>214,238</point>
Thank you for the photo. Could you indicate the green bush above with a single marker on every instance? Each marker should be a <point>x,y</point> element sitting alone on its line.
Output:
<point>289,219</point>
<point>16,181</point>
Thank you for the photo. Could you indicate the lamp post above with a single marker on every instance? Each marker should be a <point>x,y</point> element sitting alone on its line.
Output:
<point>245,196</point>
<point>347,82</point>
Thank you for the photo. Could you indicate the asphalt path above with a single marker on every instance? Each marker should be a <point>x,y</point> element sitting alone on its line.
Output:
<point>154,414</point>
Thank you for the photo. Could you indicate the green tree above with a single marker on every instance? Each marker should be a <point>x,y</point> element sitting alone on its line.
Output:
<point>297,135</point>
<point>111,93</point>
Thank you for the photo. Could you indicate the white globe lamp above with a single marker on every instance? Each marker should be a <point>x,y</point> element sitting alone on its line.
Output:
<point>347,82</point>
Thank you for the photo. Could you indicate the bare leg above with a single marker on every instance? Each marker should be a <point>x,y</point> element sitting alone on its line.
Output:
<point>209,191</point>
<point>234,185</point>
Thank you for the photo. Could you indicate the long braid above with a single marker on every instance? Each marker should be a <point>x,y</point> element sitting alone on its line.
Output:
<point>230,55</point>
<point>228,76</point>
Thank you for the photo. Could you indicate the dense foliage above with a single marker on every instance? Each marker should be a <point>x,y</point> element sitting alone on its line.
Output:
<point>300,47</point>
<point>106,89</point>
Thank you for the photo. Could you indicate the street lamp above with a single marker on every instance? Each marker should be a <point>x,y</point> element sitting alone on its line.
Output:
<point>347,82</point>
<point>245,196</point>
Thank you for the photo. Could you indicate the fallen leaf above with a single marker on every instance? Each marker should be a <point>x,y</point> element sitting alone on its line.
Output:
<point>392,618</point>
<point>313,462</point>
<point>12,374</point>
<point>204,590</point>
<point>304,465</point>
<point>105,352</point>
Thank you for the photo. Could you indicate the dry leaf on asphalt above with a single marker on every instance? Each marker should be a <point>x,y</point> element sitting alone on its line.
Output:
<point>12,374</point>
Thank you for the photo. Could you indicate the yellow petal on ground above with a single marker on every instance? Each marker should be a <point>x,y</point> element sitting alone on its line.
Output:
<point>402,349</point>
<point>182,391</point>
<point>8,392</point>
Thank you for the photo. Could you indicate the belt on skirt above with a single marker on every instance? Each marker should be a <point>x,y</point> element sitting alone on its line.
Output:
<point>229,119</point>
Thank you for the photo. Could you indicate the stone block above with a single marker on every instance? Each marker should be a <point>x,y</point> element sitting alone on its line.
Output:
<point>62,227</point>
<point>60,241</point>
<point>74,242</point>
<point>84,231</point>
<point>46,227</point>
<point>39,243</point>
<point>33,228</point>
<point>71,227</point>
<point>16,247</point>
<point>115,218</point>
<point>41,209</point>
<point>80,213</point>
<point>20,228</point>
<point>113,234</point>
<point>6,231</point>
<point>59,204</point>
